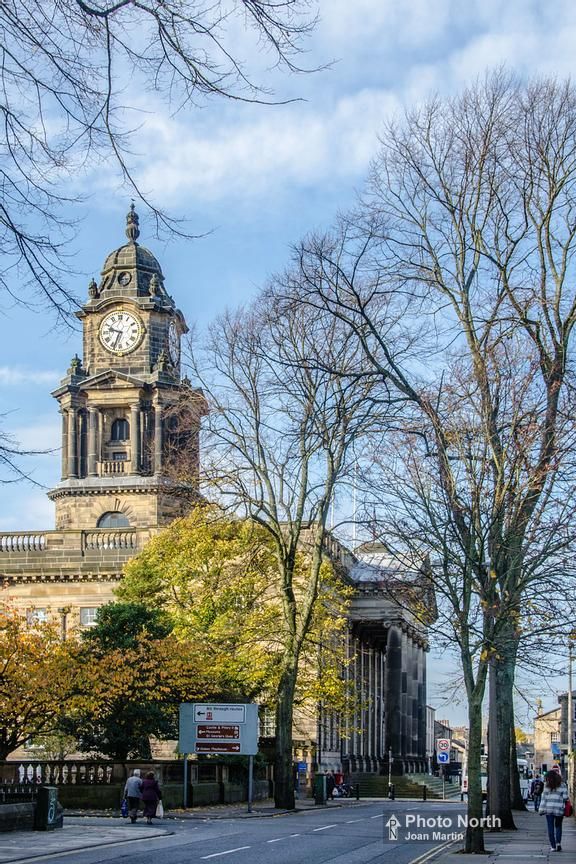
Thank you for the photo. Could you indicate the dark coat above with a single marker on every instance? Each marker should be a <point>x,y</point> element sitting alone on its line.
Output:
<point>150,790</point>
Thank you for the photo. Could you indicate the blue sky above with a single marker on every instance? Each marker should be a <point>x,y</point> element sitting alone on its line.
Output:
<point>257,178</point>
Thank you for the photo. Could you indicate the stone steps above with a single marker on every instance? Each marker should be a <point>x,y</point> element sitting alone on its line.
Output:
<point>376,786</point>
<point>434,784</point>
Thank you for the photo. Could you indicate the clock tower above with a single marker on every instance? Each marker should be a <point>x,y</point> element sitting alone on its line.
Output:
<point>125,409</point>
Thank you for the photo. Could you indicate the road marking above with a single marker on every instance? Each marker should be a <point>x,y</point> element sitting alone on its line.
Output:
<point>432,853</point>
<point>350,821</point>
<point>276,840</point>
<point>325,827</point>
<point>294,835</point>
<point>379,816</point>
<point>227,852</point>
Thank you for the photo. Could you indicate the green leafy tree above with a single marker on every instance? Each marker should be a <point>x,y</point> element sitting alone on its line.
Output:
<point>217,579</point>
<point>133,677</point>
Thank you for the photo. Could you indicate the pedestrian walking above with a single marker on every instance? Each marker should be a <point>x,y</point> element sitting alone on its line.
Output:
<point>132,791</point>
<point>330,785</point>
<point>150,795</point>
<point>552,806</point>
<point>536,790</point>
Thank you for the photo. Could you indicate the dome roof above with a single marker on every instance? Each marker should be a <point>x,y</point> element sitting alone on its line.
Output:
<point>130,271</point>
<point>132,256</point>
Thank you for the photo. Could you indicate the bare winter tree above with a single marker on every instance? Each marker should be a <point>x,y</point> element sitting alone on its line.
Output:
<point>69,69</point>
<point>70,72</point>
<point>279,438</point>
<point>457,278</point>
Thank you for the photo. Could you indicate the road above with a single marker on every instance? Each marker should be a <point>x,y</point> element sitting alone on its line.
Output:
<point>338,835</point>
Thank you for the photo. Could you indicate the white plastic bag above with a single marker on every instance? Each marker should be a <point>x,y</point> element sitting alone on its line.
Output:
<point>159,810</point>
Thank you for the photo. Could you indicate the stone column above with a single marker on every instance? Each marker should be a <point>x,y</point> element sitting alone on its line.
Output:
<point>135,437</point>
<point>72,442</point>
<point>393,677</point>
<point>382,699</point>
<point>92,440</point>
<point>404,701</point>
<point>64,413</point>
<point>414,748</point>
<point>422,702</point>
<point>144,450</point>
<point>157,439</point>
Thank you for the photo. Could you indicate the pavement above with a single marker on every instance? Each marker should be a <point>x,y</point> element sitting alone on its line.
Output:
<point>528,844</point>
<point>80,833</point>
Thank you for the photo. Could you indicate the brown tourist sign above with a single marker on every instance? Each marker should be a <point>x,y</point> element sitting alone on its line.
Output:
<point>217,730</point>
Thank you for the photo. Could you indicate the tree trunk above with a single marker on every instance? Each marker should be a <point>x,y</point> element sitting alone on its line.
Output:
<point>283,765</point>
<point>516,792</point>
<point>501,709</point>
<point>474,838</point>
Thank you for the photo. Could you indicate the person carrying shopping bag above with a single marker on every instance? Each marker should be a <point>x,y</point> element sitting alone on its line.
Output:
<point>150,795</point>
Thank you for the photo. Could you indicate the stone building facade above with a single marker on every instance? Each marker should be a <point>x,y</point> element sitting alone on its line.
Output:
<point>121,405</point>
<point>547,734</point>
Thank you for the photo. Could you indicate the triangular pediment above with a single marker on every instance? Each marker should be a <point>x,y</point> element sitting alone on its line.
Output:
<point>111,378</point>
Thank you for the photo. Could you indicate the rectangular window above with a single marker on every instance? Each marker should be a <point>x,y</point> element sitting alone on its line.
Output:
<point>36,616</point>
<point>267,720</point>
<point>554,737</point>
<point>119,457</point>
<point>88,615</point>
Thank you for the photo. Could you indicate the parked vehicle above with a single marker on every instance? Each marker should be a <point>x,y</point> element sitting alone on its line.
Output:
<point>483,778</point>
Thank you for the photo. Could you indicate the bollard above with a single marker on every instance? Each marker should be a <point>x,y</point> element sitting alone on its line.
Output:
<point>424,792</point>
<point>357,791</point>
<point>391,792</point>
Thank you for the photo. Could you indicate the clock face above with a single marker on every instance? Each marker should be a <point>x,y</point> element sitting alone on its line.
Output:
<point>121,332</point>
<point>173,343</point>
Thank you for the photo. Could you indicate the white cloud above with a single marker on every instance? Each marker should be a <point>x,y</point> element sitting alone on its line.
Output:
<point>296,144</point>
<point>17,375</point>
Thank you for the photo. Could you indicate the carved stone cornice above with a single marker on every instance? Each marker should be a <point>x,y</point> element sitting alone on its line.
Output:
<point>58,578</point>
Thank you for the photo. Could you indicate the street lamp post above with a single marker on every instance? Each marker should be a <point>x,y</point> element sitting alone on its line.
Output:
<point>570,753</point>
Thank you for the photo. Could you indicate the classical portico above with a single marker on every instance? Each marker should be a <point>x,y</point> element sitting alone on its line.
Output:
<point>386,651</point>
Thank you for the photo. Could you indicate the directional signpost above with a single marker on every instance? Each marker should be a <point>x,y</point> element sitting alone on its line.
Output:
<point>219,728</point>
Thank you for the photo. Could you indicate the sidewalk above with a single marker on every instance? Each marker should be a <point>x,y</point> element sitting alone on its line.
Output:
<point>76,835</point>
<point>528,843</point>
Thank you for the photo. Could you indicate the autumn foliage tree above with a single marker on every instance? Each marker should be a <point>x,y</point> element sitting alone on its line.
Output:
<point>215,577</point>
<point>38,676</point>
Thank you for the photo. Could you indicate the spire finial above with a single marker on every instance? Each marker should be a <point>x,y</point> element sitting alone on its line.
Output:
<point>132,221</point>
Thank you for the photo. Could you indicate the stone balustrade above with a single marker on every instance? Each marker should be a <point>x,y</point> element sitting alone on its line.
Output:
<point>22,541</point>
<point>18,544</point>
<point>112,467</point>
<point>104,539</point>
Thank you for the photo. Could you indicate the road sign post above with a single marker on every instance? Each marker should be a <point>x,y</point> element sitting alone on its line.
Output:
<point>443,758</point>
<point>219,728</point>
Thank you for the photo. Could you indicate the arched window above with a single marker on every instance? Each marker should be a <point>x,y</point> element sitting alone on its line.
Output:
<point>113,519</point>
<point>120,430</point>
